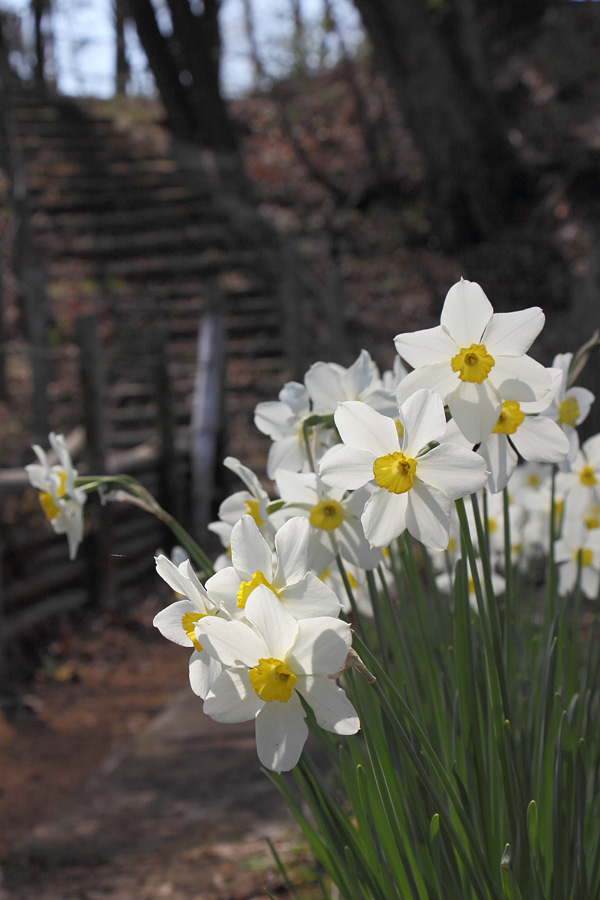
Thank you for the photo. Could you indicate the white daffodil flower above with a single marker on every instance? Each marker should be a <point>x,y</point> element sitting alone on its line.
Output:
<point>178,621</point>
<point>475,359</point>
<point>268,663</point>
<point>578,551</point>
<point>285,573</point>
<point>571,405</point>
<point>282,421</point>
<point>334,517</point>
<point>536,438</point>
<point>581,485</point>
<point>416,477</point>
<point>329,384</point>
<point>61,501</point>
<point>253,502</point>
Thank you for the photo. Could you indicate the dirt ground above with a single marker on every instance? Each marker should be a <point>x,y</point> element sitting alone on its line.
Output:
<point>97,696</point>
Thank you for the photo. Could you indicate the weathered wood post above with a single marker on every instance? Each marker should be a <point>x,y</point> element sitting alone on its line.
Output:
<point>3,660</point>
<point>169,470</point>
<point>291,297</point>
<point>93,392</point>
<point>338,344</point>
<point>207,413</point>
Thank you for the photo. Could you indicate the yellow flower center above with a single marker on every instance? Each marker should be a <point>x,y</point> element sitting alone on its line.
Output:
<point>510,418</point>
<point>252,507</point>
<point>592,518</point>
<point>583,556</point>
<point>395,472</point>
<point>587,476</point>
<point>188,621</point>
<point>326,515</point>
<point>533,479</point>
<point>51,510</point>
<point>492,525</point>
<point>246,588</point>
<point>272,680</point>
<point>568,412</point>
<point>472,363</point>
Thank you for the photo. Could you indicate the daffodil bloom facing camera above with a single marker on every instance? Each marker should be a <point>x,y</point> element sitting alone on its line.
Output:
<point>475,359</point>
<point>268,662</point>
<point>334,517</point>
<point>416,477</point>
<point>61,501</point>
<point>284,572</point>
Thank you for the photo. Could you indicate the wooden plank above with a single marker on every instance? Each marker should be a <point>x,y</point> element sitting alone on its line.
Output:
<point>170,496</point>
<point>29,619</point>
<point>100,548</point>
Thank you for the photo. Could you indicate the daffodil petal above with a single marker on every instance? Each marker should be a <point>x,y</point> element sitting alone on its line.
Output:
<point>168,622</point>
<point>500,459</point>
<point>286,453</point>
<point>291,544</point>
<point>453,470</point>
<point>424,420</point>
<point>438,377</point>
<point>203,672</point>
<point>309,598</point>
<point>346,467</point>
<point>475,409</point>
<point>539,438</point>
<point>232,643</point>
<point>428,516</point>
<point>521,379</point>
<point>426,347</point>
<point>384,517</point>
<point>466,313</point>
<point>364,428</point>
<point>281,733</point>
<point>333,711</point>
<point>321,647</point>
<point>513,333</point>
<point>277,627</point>
<point>249,550</point>
<point>231,698</point>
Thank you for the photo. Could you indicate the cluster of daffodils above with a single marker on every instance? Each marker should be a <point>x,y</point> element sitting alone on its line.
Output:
<point>360,459</point>
<point>266,636</point>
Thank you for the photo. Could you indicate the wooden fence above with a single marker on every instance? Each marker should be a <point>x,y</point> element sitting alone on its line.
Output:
<point>38,582</point>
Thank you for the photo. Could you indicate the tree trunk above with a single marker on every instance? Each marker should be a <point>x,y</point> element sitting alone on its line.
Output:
<point>200,46</point>
<point>39,8</point>
<point>122,71</point>
<point>470,169</point>
<point>173,95</point>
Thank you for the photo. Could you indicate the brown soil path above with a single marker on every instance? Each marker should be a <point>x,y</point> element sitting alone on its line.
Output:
<point>115,785</point>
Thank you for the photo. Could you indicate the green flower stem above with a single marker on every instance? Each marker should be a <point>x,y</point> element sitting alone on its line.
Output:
<point>508,578</point>
<point>358,622</point>
<point>489,606</point>
<point>309,425</point>
<point>441,774</point>
<point>551,564</point>
<point>495,672</point>
<point>143,498</point>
